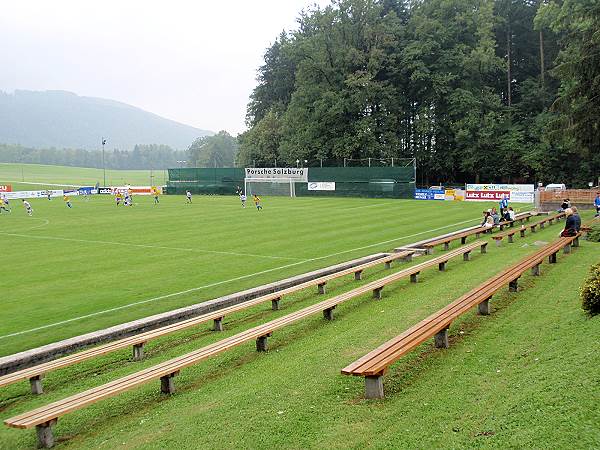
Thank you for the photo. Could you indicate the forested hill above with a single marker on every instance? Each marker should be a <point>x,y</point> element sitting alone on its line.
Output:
<point>65,120</point>
<point>488,90</point>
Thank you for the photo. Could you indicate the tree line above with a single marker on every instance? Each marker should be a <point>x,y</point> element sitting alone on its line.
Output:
<point>475,90</point>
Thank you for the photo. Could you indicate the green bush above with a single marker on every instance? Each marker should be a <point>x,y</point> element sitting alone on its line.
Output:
<point>594,234</point>
<point>590,291</point>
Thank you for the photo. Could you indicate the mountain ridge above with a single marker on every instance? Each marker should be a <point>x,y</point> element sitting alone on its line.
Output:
<point>63,119</point>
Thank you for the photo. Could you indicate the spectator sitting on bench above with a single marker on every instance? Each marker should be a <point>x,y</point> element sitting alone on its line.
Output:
<point>576,217</point>
<point>570,225</point>
<point>489,221</point>
<point>495,216</point>
<point>566,204</point>
<point>510,214</point>
<point>485,216</point>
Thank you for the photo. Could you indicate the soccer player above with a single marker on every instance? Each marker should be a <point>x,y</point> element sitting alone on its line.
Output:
<point>238,191</point>
<point>4,204</point>
<point>243,199</point>
<point>67,201</point>
<point>118,198</point>
<point>256,199</point>
<point>188,196</point>
<point>156,193</point>
<point>49,194</point>
<point>27,207</point>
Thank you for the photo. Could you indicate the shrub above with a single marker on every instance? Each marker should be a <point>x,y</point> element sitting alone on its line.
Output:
<point>594,234</point>
<point>590,291</point>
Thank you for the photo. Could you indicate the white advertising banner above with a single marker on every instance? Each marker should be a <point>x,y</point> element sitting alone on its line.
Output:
<point>273,173</point>
<point>518,193</point>
<point>33,194</point>
<point>321,186</point>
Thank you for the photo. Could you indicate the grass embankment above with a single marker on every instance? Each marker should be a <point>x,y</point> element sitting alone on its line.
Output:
<point>525,376</point>
<point>34,176</point>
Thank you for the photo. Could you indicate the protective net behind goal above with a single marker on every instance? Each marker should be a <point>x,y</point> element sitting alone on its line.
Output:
<point>282,187</point>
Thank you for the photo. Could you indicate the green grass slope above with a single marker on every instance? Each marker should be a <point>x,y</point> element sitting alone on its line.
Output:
<point>524,377</point>
<point>34,176</point>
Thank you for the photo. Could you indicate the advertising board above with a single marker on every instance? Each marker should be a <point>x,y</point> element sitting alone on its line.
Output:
<point>430,194</point>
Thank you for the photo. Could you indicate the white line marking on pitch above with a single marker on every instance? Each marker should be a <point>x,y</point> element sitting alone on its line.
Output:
<point>187,291</point>
<point>85,241</point>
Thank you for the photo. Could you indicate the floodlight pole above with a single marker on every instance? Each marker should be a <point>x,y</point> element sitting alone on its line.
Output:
<point>103,165</point>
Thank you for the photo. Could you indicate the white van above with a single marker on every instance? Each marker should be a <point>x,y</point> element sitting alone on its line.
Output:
<point>556,187</point>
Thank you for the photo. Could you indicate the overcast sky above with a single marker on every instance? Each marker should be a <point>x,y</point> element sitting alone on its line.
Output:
<point>190,61</point>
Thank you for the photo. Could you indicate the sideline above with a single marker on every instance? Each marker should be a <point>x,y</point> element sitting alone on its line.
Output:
<point>187,291</point>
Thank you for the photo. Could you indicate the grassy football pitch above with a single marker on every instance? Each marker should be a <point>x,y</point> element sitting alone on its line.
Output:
<point>70,271</point>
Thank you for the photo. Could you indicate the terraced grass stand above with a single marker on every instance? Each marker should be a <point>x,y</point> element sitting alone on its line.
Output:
<point>374,365</point>
<point>45,417</point>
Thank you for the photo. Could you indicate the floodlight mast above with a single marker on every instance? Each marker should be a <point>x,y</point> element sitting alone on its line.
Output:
<point>103,164</point>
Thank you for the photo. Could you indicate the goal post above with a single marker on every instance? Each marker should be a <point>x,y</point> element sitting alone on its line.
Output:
<point>270,186</point>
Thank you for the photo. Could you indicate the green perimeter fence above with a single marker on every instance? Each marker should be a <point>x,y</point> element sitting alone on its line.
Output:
<point>376,182</point>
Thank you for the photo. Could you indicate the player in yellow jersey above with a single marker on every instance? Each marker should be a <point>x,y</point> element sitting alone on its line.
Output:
<point>67,200</point>
<point>256,200</point>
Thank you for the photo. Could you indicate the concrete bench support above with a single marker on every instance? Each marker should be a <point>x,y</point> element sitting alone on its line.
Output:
<point>466,256</point>
<point>442,266</point>
<point>261,343</point>
<point>484,307</point>
<point>484,248</point>
<point>576,242</point>
<point>552,258</point>
<point>441,339</point>
<point>167,383</point>
<point>533,228</point>
<point>388,265</point>
<point>446,245</point>
<point>463,240</point>
<point>550,221</point>
<point>218,324</point>
<point>513,286</point>
<point>414,277</point>
<point>377,293</point>
<point>374,387</point>
<point>567,249</point>
<point>429,250</point>
<point>511,238</point>
<point>542,224</point>
<point>522,233</point>
<point>322,288</point>
<point>498,242</point>
<point>138,351</point>
<point>328,313</point>
<point>44,434</point>
<point>535,271</point>
<point>275,304</point>
<point>477,235</point>
<point>36,385</point>
<point>358,275</point>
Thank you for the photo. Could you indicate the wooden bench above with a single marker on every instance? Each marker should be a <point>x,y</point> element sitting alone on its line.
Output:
<point>45,417</point>
<point>374,365</point>
<point>448,239</point>
<point>511,233</point>
<point>511,223</point>
<point>35,374</point>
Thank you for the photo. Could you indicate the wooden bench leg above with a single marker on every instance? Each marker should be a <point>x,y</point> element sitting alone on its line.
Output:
<point>44,434</point>
<point>522,233</point>
<point>535,270</point>
<point>527,218</point>
<point>358,275</point>
<point>552,258</point>
<point>511,238</point>
<point>533,228</point>
<point>567,249</point>
<point>441,339</point>
<point>576,242</point>
<point>377,293</point>
<point>542,225</point>
<point>466,256</point>
<point>484,307</point>
<point>167,383</point>
<point>36,385</point>
<point>322,288</point>
<point>477,235</point>
<point>414,277</point>
<point>374,386</point>
<point>498,242</point>
<point>463,240</point>
<point>261,343</point>
<point>388,265</point>
<point>550,221</point>
<point>513,286</point>
<point>138,351</point>
<point>218,324</point>
<point>328,313</point>
<point>484,247</point>
<point>442,266</point>
<point>446,245</point>
<point>407,258</point>
<point>275,304</point>
<point>429,251</point>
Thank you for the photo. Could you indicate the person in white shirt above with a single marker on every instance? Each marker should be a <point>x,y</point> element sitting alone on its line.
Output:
<point>511,214</point>
<point>188,195</point>
<point>243,200</point>
<point>28,208</point>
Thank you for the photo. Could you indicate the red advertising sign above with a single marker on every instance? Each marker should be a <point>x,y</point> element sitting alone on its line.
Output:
<point>487,196</point>
<point>5,188</point>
